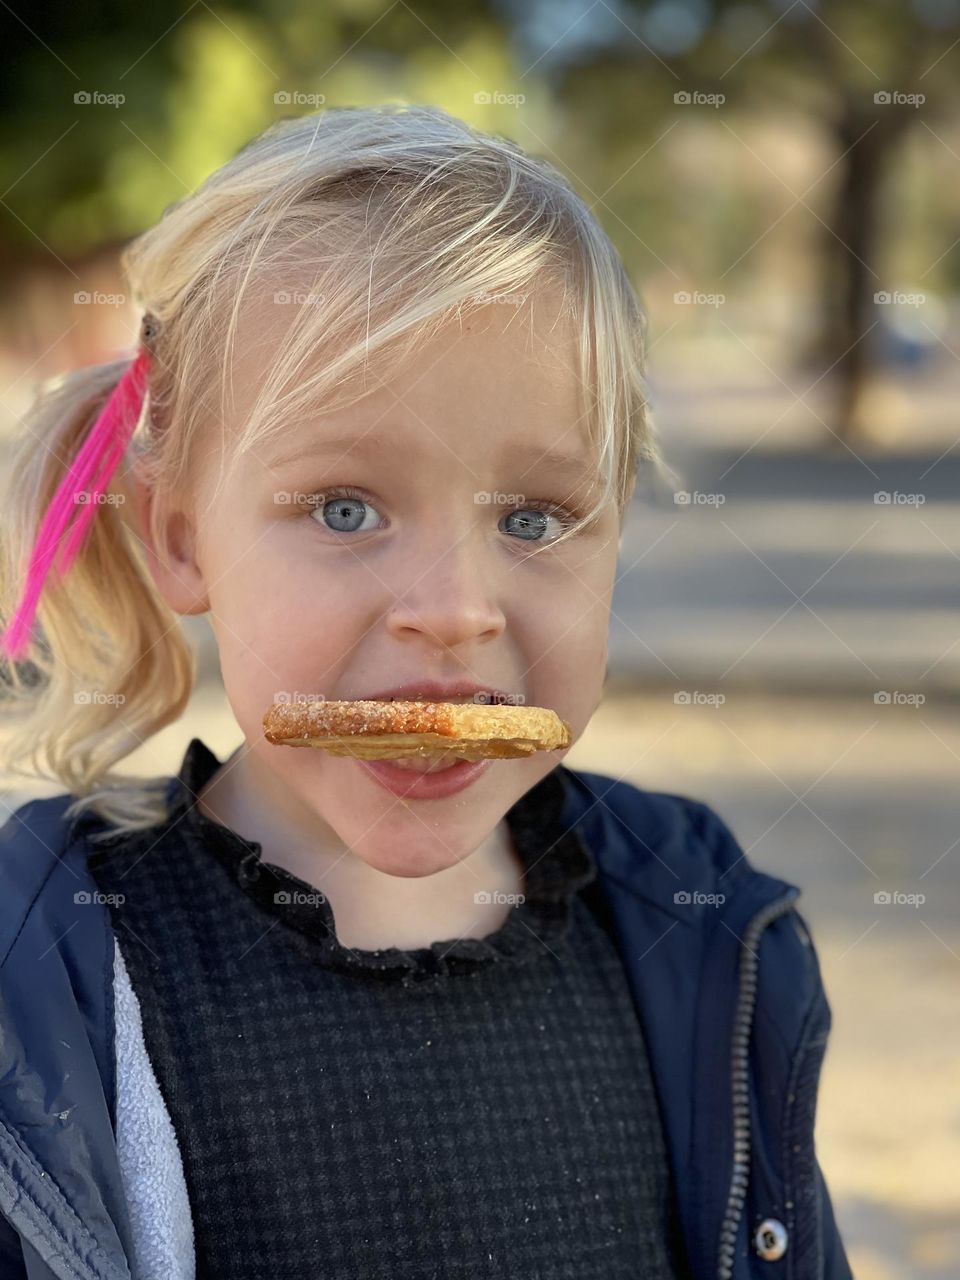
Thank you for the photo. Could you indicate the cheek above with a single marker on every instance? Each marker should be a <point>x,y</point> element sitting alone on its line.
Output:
<point>586,645</point>
<point>280,629</point>
<point>565,638</point>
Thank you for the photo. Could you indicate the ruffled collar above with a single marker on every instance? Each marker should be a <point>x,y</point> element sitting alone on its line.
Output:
<point>557,864</point>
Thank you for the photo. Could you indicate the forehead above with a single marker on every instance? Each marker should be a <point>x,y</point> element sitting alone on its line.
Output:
<point>498,381</point>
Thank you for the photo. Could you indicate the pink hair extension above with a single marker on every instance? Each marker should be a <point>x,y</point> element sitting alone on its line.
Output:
<point>90,473</point>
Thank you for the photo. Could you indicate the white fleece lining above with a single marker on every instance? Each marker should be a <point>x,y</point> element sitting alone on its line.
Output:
<point>150,1162</point>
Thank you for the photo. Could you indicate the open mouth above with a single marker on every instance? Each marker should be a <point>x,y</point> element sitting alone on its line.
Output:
<point>426,764</point>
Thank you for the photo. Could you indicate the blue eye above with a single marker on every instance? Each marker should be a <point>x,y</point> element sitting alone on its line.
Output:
<point>346,511</point>
<point>530,523</point>
<point>349,510</point>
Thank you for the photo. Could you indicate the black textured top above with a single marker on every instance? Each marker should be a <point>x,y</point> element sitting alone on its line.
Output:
<point>478,1108</point>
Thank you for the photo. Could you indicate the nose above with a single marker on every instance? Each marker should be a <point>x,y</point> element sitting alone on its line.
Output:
<point>448,601</point>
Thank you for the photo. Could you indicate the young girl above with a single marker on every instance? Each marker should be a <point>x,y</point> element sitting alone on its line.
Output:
<point>298,1014</point>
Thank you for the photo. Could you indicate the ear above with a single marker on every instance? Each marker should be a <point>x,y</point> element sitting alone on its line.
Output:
<point>171,557</point>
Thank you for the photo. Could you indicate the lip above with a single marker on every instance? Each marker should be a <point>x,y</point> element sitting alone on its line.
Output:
<point>424,786</point>
<point>437,691</point>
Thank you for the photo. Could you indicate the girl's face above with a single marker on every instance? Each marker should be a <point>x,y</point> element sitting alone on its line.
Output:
<point>415,564</point>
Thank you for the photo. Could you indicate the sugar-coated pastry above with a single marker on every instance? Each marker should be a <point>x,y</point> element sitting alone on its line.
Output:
<point>375,730</point>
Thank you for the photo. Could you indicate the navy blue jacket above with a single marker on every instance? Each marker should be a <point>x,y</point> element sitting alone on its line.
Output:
<point>723,973</point>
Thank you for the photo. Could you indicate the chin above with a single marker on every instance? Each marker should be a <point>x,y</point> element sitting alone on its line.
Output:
<point>413,859</point>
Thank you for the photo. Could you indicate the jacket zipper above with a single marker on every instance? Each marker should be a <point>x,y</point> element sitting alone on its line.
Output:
<point>746,999</point>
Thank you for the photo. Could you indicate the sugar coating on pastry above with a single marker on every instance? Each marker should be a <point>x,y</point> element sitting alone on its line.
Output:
<point>378,730</point>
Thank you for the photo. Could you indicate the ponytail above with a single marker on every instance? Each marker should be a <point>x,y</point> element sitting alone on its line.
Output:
<point>110,665</point>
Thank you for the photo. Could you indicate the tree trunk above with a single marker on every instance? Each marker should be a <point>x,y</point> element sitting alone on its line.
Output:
<point>852,274</point>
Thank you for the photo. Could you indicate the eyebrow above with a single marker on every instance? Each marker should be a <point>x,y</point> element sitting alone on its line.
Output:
<point>339,445</point>
<point>552,461</point>
<point>529,457</point>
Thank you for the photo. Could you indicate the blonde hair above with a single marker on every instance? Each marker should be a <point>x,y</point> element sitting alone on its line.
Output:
<point>406,215</point>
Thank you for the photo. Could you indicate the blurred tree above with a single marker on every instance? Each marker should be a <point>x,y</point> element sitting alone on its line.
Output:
<point>868,72</point>
<point>598,82</point>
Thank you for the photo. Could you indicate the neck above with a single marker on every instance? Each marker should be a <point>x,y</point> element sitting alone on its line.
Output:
<point>373,910</point>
